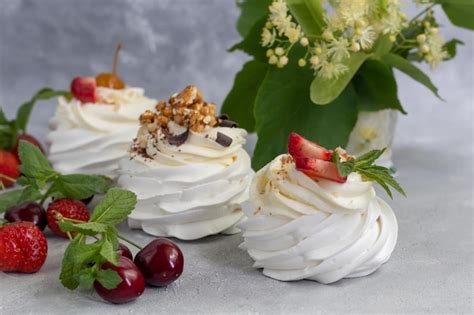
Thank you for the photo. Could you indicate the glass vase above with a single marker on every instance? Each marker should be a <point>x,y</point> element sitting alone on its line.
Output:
<point>374,130</point>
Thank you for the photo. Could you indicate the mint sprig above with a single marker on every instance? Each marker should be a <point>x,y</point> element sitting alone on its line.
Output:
<point>10,129</point>
<point>40,181</point>
<point>364,165</point>
<point>82,259</point>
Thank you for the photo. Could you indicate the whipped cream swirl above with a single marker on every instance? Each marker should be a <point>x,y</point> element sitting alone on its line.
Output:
<point>322,231</point>
<point>188,191</point>
<point>91,138</point>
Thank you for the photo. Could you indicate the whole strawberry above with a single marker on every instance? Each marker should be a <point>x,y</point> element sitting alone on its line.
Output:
<point>68,208</point>
<point>8,168</point>
<point>23,248</point>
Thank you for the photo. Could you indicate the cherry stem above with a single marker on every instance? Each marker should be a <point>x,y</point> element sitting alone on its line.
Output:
<point>117,50</point>
<point>129,241</point>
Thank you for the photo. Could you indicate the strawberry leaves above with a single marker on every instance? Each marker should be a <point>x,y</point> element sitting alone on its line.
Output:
<point>364,165</point>
<point>82,259</point>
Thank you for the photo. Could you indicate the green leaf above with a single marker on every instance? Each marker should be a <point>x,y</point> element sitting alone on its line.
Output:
<point>9,199</point>
<point>325,91</point>
<point>411,70</point>
<point>88,228</point>
<point>251,43</point>
<point>369,158</point>
<point>76,257</point>
<point>239,103</point>
<point>24,111</point>
<point>116,205</point>
<point>33,162</point>
<point>86,278</point>
<point>108,278</point>
<point>15,197</point>
<point>250,12</point>
<point>79,186</point>
<point>376,87</point>
<point>460,12</point>
<point>283,105</point>
<point>3,118</point>
<point>109,252</point>
<point>344,168</point>
<point>451,47</point>
<point>309,14</point>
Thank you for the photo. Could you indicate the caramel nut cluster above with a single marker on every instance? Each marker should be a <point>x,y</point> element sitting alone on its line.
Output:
<point>187,109</point>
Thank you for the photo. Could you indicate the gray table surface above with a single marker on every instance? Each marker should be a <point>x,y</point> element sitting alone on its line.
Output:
<point>431,269</point>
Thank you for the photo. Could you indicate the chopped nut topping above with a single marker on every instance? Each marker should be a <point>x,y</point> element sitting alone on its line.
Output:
<point>186,109</point>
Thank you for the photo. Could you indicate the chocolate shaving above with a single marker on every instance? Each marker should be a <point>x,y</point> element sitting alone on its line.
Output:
<point>177,140</point>
<point>227,123</point>
<point>223,117</point>
<point>223,140</point>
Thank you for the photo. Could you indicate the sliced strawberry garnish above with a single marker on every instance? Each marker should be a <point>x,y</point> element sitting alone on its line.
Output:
<point>319,169</point>
<point>301,147</point>
<point>84,89</point>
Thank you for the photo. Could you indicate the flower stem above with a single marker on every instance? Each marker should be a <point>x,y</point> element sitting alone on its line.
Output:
<point>129,241</point>
<point>422,12</point>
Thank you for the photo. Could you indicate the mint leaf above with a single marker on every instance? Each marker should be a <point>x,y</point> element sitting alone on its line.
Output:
<point>76,257</point>
<point>251,12</point>
<point>344,168</point>
<point>369,158</point>
<point>78,186</point>
<point>9,199</point>
<point>3,118</point>
<point>283,105</point>
<point>88,228</point>
<point>116,205</point>
<point>24,111</point>
<point>239,103</point>
<point>33,162</point>
<point>109,252</point>
<point>86,278</point>
<point>108,278</point>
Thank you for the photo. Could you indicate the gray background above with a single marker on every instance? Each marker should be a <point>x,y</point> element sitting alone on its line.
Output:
<point>171,43</point>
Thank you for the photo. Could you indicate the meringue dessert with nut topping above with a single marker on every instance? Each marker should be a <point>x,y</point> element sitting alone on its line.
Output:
<point>316,215</point>
<point>188,169</point>
<point>91,131</point>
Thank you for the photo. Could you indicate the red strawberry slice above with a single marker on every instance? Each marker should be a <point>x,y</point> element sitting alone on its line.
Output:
<point>319,169</point>
<point>298,146</point>
<point>85,89</point>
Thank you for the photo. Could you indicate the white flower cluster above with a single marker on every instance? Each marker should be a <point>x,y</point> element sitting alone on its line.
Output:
<point>351,26</point>
<point>431,46</point>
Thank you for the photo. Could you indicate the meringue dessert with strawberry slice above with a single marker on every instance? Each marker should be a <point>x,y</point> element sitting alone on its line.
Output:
<point>188,169</point>
<point>316,215</point>
<point>91,132</point>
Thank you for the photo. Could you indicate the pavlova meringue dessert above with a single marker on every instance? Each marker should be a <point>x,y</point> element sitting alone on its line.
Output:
<point>91,131</point>
<point>188,169</point>
<point>316,215</point>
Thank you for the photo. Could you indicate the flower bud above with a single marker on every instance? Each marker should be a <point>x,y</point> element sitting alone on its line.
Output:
<point>301,62</point>
<point>314,60</point>
<point>304,41</point>
<point>273,60</point>
<point>279,51</point>
<point>270,53</point>
<point>421,38</point>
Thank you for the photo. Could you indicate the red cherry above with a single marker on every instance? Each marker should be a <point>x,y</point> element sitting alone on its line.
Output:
<point>125,251</point>
<point>27,138</point>
<point>161,262</point>
<point>84,89</point>
<point>27,211</point>
<point>131,287</point>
